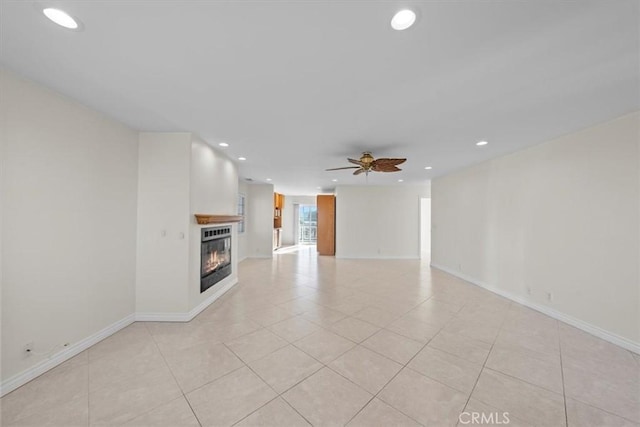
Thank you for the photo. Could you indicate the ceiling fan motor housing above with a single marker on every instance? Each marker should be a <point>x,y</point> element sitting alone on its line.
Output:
<point>366,159</point>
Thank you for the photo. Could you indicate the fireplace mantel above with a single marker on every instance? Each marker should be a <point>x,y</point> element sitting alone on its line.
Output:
<point>217,219</point>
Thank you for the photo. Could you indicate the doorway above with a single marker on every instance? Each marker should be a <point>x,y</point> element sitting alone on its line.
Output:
<point>307,233</point>
<point>425,229</point>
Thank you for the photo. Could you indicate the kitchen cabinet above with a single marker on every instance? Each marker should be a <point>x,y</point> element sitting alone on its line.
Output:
<point>278,207</point>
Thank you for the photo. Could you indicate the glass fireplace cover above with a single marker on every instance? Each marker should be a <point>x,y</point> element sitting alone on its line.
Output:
<point>216,254</point>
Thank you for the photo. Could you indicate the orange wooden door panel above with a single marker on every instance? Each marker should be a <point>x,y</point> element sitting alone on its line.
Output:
<point>326,206</point>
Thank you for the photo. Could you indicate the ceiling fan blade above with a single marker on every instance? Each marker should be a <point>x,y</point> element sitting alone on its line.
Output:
<point>348,167</point>
<point>367,163</point>
<point>387,161</point>
<point>385,168</point>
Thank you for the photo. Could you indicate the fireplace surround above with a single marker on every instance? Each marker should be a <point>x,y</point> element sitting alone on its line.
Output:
<point>215,256</point>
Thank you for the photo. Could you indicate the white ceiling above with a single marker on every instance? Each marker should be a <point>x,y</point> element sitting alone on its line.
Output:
<point>297,86</point>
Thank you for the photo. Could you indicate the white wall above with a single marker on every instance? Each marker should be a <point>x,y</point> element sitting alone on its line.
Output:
<point>97,225</point>
<point>379,221</point>
<point>425,229</point>
<point>214,180</point>
<point>179,175</point>
<point>288,216</point>
<point>260,221</point>
<point>243,238</point>
<point>163,222</point>
<point>562,217</point>
<point>214,190</point>
<point>69,183</point>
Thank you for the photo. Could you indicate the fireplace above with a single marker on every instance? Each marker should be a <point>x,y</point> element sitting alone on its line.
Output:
<point>215,263</point>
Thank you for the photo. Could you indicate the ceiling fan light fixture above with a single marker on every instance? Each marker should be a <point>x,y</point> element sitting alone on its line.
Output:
<point>366,158</point>
<point>403,19</point>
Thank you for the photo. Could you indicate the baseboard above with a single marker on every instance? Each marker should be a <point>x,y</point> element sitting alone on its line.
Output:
<point>188,316</point>
<point>206,303</point>
<point>558,315</point>
<point>162,317</point>
<point>381,257</point>
<point>24,377</point>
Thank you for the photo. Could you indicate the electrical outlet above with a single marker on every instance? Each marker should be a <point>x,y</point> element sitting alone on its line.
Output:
<point>28,348</point>
<point>529,291</point>
<point>549,296</point>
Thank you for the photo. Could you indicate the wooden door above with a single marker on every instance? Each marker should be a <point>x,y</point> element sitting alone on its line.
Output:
<point>326,225</point>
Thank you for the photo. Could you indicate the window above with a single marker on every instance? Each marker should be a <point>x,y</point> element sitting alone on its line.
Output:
<point>307,226</point>
<point>241,212</point>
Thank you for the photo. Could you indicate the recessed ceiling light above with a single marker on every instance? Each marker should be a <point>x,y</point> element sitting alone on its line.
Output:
<point>401,180</point>
<point>223,144</point>
<point>403,19</point>
<point>481,143</point>
<point>242,158</point>
<point>61,18</point>
<point>268,179</point>
<point>428,167</point>
<point>334,180</point>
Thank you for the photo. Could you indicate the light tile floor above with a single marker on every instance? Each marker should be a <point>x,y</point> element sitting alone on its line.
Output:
<point>314,340</point>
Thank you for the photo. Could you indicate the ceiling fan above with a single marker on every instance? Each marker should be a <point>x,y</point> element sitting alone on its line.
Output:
<point>368,164</point>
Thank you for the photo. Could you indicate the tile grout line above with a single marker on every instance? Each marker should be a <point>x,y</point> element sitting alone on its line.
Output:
<point>579,400</point>
<point>564,393</point>
<point>520,380</point>
<point>144,324</point>
<point>507,374</point>
<point>324,365</point>
<point>484,364</point>
<point>164,359</point>
<point>292,407</point>
<point>512,376</point>
<point>166,365</point>
<point>456,315</point>
<point>606,411</point>
<point>246,364</point>
<point>397,373</point>
<point>280,395</point>
<point>88,390</point>
<point>591,405</point>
